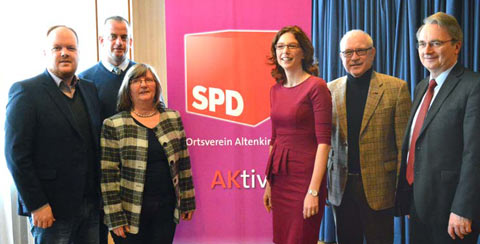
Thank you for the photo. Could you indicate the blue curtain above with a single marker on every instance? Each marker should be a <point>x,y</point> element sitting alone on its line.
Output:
<point>393,25</point>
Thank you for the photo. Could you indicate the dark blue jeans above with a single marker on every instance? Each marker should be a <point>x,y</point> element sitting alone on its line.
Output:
<point>79,229</point>
<point>103,234</point>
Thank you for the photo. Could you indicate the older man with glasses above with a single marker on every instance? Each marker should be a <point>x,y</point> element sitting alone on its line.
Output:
<point>370,113</point>
<point>439,183</point>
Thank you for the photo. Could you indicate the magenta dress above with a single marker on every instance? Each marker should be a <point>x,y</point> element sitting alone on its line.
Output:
<point>301,119</point>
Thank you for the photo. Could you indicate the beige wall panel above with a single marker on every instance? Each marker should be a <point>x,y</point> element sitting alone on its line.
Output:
<point>148,21</point>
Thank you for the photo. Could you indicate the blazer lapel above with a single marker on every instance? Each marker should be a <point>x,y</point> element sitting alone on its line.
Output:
<point>91,108</point>
<point>341,106</point>
<point>450,82</point>
<point>422,88</point>
<point>59,100</point>
<point>375,92</point>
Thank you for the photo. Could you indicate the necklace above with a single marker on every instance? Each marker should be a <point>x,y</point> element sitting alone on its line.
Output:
<point>145,115</point>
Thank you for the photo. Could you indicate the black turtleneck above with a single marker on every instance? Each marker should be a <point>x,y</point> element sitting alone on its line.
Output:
<point>357,92</point>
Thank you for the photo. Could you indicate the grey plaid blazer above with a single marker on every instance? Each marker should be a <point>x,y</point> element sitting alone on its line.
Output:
<point>124,161</point>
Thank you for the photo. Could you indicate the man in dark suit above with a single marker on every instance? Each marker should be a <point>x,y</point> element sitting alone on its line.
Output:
<point>51,146</point>
<point>439,183</point>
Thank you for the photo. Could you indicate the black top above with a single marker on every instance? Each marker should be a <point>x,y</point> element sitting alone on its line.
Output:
<point>158,180</point>
<point>357,92</point>
<point>81,117</point>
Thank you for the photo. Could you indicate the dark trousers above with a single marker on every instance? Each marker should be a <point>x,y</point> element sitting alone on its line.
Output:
<point>79,229</point>
<point>156,224</point>
<point>423,233</point>
<point>355,220</point>
<point>103,229</point>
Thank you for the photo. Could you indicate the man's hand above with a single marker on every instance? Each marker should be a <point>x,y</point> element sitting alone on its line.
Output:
<point>122,231</point>
<point>43,217</point>
<point>458,225</point>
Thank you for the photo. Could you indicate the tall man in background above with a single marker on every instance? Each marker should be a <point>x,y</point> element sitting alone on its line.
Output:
<point>51,146</point>
<point>439,182</point>
<point>370,113</point>
<point>107,75</point>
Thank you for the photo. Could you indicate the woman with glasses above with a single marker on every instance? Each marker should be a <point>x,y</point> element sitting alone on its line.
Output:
<point>301,113</point>
<point>146,176</point>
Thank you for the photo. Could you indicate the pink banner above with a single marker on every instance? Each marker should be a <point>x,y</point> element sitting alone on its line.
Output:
<point>219,79</point>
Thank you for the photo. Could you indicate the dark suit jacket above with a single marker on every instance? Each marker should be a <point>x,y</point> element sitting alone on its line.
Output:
<point>44,149</point>
<point>447,154</point>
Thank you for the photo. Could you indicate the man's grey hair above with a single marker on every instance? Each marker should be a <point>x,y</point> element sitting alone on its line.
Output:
<point>356,32</point>
<point>446,21</point>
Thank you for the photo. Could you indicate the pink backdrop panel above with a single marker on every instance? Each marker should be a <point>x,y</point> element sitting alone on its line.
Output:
<point>219,80</point>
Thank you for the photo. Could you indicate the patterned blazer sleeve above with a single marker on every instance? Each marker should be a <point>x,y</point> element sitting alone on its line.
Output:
<point>110,176</point>
<point>187,192</point>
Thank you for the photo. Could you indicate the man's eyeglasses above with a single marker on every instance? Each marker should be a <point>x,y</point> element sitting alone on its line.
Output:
<point>359,52</point>
<point>291,46</point>
<point>434,44</point>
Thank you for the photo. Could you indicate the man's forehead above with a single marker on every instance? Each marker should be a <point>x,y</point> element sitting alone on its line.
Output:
<point>64,35</point>
<point>113,26</point>
<point>433,30</point>
<point>356,41</point>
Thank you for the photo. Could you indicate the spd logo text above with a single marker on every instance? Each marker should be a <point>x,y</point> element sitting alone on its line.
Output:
<point>227,75</point>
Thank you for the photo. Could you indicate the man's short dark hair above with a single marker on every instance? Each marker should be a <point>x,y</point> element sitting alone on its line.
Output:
<point>117,18</point>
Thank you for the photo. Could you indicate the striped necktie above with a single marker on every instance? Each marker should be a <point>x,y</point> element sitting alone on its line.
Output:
<point>117,70</point>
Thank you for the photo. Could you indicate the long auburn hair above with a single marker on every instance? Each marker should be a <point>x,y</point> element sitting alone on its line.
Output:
<point>308,65</point>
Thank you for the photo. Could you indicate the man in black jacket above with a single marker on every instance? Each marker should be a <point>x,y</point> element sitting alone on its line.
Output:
<point>51,146</point>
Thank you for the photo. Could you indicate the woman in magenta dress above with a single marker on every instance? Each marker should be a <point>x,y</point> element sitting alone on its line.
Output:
<point>301,113</point>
